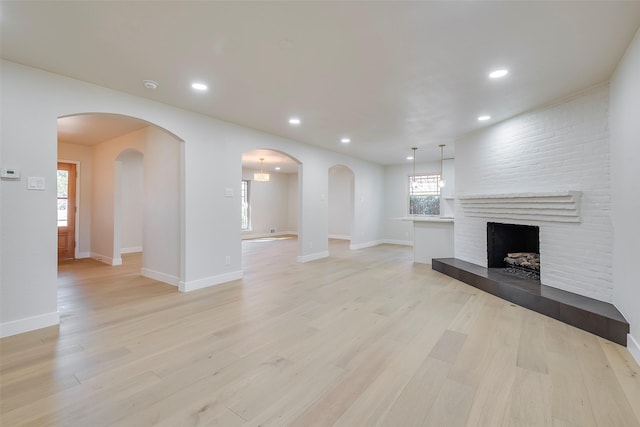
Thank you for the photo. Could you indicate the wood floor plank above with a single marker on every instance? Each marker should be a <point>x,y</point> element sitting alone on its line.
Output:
<point>361,338</point>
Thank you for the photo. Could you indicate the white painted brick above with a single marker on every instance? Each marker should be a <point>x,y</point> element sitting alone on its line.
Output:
<point>564,146</point>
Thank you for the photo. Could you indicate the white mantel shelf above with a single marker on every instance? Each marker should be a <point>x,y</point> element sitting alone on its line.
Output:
<point>562,206</point>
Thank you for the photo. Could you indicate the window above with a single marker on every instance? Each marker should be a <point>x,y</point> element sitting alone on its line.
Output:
<point>424,194</point>
<point>63,197</point>
<point>244,196</point>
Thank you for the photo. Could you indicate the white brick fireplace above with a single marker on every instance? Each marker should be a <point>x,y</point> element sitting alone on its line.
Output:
<point>554,155</point>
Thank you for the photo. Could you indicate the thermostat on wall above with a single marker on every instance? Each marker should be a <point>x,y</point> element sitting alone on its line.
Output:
<point>9,173</point>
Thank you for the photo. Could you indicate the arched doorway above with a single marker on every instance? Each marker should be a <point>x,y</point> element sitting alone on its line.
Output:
<point>129,203</point>
<point>111,149</point>
<point>270,207</point>
<point>340,203</point>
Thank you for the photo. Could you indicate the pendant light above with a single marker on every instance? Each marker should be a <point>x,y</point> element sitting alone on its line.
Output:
<point>413,176</point>
<point>261,176</point>
<point>441,181</point>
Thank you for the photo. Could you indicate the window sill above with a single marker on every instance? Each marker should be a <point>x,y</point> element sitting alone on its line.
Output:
<point>425,219</point>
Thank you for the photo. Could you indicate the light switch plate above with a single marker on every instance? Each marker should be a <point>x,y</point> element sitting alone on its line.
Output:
<point>35,183</point>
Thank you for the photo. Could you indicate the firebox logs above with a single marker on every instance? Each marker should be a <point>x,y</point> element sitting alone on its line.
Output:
<point>527,260</point>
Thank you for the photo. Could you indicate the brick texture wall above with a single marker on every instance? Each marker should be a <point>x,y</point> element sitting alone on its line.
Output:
<point>563,146</point>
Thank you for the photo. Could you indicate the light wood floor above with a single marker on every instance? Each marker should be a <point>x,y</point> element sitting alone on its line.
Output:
<point>362,338</point>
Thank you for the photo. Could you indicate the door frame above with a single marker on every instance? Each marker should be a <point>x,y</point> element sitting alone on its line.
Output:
<point>76,220</point>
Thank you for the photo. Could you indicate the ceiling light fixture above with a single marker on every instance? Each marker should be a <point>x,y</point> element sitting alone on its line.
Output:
<point>413,176</point>
<point>294,121</point>
<point>199,86</point>
<point>484,118</point>
<point>498,73</point>
<point>409,157</point>
<point>277,168</point>
<point>261,176</point>
<point>150,84</point>
<point>345,140</point>
<point>441,181</point>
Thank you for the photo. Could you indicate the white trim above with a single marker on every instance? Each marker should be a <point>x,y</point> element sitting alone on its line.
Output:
<point>356,246</point>
<point>209,281</point>
<point>634,347</point>
<point>131,250</point>
<point>105,259</point>
<point>339,237</point>
<point>159,276</point>
<point>84,255</point>
<point>312,257</point>
<point>27,324</point>
<point>398,242</point>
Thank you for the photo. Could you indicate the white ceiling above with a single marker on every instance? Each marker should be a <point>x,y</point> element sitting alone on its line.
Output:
<point>390,75</point>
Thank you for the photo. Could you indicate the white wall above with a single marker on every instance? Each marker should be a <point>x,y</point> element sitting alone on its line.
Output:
<point>209,230</point>
<point>269,204</point>
<point>396,202</point>
<point>161,258</point>
<point>340,202</point>
<point>29,228</point>
<point>447,202</point>
<point>293,202</point>
<point>564,146</point>
<point>625,183</point>
<point>132,201</point>
<point>81,154</point>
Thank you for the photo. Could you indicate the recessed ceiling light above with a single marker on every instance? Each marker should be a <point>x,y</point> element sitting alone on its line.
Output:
<point>150,84</point>
<point>294,121</point>
<point>345,140</point>
<point>409,157</point>
<point>277,168</point>
<point>199,86</point>
<point>498,73</point>
<point>483,118</point>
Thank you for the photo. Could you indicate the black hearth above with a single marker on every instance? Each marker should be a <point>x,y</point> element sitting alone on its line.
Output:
<point>514,247</point>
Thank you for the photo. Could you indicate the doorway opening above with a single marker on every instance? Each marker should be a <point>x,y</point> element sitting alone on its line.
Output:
<point>130,188</point>
<point>270,197</point>
<point>67,205</point>
<point>340,204</point>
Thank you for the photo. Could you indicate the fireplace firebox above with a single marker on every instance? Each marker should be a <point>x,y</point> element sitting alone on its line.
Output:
<point>513,246</point>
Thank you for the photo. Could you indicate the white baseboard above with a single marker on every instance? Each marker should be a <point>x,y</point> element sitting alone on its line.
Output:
<point>84,255</point>
<point>634,347</point>
<point>398,242</point>
<point>20,326</point>
<point>356,246</point>
<point>106,259</point>
<point>159,276</point>
<point>131,250</point>
<point>312,257</point>
<point>339,237</point>
<point>194,285</point>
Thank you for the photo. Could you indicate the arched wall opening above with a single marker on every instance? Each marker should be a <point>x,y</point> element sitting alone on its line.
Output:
<point>129,203</point>
<point>341,203</point>
<point>270,209</point>
<point>132,186</point>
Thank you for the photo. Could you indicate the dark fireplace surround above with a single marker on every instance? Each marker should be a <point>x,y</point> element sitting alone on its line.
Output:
<point>597,317</point>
